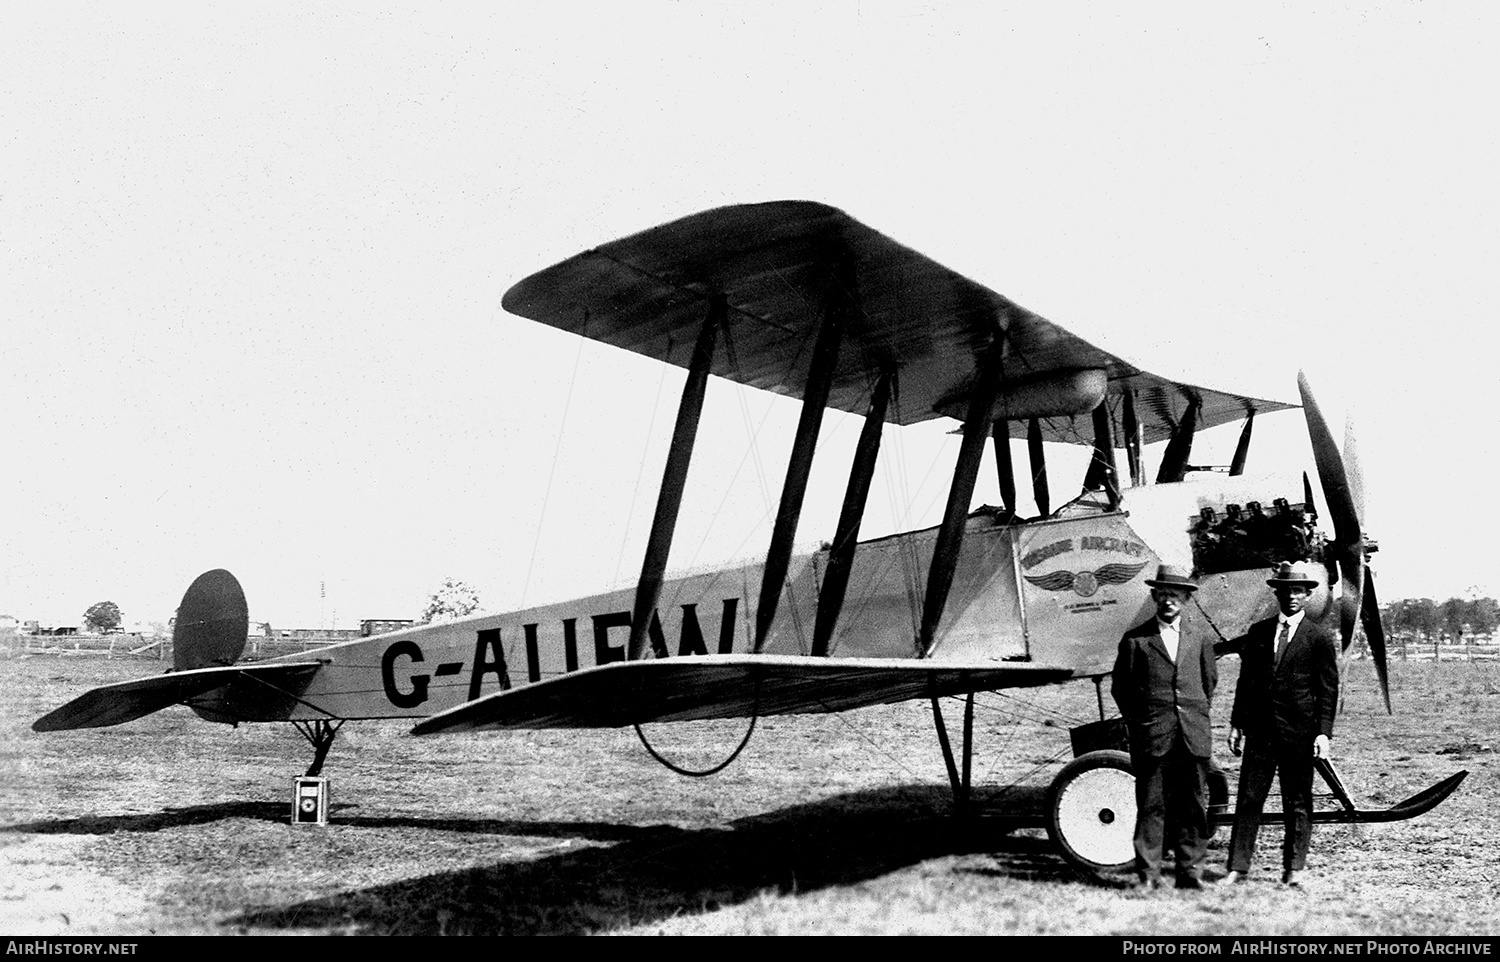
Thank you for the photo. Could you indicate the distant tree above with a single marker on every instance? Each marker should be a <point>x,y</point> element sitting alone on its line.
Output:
<point>1454,614</point>
<point>1424,615</point>
<point>104,616</point>
<point>1484,616</point>
<point>453,599</point>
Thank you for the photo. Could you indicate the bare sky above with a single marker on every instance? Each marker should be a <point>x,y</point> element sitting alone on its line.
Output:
<point>251,260</point>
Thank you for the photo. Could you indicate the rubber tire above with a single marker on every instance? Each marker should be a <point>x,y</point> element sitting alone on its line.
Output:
<point>1091,813</point>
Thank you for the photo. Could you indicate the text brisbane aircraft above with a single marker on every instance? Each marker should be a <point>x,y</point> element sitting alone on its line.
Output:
<point>801,299</point>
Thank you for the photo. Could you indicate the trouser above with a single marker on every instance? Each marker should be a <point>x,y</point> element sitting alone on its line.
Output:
<point>1171,801</point>
<point>1266,756</point>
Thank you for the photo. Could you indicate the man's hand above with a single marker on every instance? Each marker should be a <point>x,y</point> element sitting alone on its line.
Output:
<point>1236,742</point>
<point>1322,747</point>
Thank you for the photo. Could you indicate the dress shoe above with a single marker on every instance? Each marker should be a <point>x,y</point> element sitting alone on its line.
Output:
<point>1189,880</point>
<point>1290,879</point>
<point>1148,882</point>
<point>1231,878</point>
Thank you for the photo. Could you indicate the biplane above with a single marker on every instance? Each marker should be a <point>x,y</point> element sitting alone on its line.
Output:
<point>801,299</point>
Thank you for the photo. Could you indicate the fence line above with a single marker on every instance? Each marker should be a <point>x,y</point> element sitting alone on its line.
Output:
<point>144,647</point>
<point>1417,648</point>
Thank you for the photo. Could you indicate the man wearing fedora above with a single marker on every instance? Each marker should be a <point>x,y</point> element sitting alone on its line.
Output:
<point>1163,681</point>
<point>1284,705</point>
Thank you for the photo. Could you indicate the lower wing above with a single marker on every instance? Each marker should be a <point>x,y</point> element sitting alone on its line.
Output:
<point>731,686</point>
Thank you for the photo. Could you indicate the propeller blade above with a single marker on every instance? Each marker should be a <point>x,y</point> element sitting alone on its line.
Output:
<point>1352,568</point>
<point>1351,467</point>
<point>1348,548</point>
<point>1375,636</point>
<point>1336,491</point>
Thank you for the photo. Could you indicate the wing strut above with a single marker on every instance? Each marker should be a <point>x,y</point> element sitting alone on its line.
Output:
<point>1133,441</point>
<point>1000,431</point>
<point>1242,449</point>
<point>1102,473</point>
<point>1174,461</point>
<point>951,534</point>
<point>1038,458</point>
<point>674,479</point>
<point>841,558</point>
<point>838,304</point>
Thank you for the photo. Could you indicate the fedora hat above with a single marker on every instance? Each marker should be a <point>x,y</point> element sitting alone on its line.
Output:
<point>1171,576</point>
<point>1293,573</point>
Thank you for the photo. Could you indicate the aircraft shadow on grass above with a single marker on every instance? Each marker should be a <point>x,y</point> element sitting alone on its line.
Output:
<point>279,812</point>
<point>657,873</point>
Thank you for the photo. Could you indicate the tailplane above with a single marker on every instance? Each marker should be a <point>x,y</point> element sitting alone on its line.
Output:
<point>208,636</point>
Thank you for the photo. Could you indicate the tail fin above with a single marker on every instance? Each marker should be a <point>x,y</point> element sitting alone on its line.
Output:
<point>212,624</point>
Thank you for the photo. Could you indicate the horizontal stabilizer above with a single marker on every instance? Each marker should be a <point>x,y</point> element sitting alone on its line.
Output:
<point>732,686</point>
<point>129,700</point>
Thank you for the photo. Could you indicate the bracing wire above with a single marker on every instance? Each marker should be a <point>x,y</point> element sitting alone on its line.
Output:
<point>641,471</point>
<point>556,451</point>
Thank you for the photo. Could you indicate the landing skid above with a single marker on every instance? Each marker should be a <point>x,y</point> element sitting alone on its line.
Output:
<point>1090,806</point>
<point>1090,812</point>
<point>1419,804</point>
<point>319,734</point>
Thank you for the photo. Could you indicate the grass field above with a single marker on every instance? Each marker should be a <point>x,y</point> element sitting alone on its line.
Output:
<point>834,824</point>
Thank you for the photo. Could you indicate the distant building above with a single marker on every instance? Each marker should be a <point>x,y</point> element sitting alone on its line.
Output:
<point>379,626</point>
<point>315,635</point>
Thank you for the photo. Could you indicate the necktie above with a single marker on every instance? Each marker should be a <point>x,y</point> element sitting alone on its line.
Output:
<point>1281,638</point>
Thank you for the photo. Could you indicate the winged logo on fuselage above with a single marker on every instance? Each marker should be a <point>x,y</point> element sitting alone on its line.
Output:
<point>1085,583</point>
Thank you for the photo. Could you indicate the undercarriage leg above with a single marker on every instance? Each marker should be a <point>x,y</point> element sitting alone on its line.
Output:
<point>960,781</point>
<point>319,734</point>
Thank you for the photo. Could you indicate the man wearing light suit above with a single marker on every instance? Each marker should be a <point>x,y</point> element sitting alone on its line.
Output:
<point>1284,705</point>
<point>1163,681</point>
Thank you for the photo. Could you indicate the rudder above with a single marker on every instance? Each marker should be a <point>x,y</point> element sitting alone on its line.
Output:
<point>212,624</point>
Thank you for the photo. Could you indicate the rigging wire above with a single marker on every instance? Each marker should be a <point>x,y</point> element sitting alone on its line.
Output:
<point>562,432</point>
<point>641,469</point>
<point>905,547</point>
<point>752,451</point>
<point>1001,751</point>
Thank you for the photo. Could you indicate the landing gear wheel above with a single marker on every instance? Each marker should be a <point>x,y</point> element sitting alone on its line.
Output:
<point>1091,813</point>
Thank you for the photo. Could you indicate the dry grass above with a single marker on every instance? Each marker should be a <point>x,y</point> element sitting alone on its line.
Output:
<point>825,824</point>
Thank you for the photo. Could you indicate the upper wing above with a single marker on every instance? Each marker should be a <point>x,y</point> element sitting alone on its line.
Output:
<point>731,686</point>
<point>774,264</point>
<point>129,700</point>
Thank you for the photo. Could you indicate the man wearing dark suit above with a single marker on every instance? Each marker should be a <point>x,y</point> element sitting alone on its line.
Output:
<point>1163,681</point>
<point>1284,705</point>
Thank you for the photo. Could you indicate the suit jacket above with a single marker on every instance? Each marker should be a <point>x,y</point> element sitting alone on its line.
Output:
<point>1296,700</point>
<point>1159,697</point>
